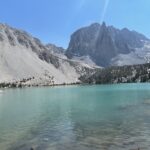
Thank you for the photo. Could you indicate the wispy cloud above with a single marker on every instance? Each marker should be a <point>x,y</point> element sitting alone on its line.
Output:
<point>104,10</point>
<point>81,4</point>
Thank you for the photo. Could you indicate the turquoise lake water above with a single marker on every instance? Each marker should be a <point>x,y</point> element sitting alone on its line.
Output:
<point>98,117</point>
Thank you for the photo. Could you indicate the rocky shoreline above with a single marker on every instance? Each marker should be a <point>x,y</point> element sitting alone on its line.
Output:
<point>19,84</point>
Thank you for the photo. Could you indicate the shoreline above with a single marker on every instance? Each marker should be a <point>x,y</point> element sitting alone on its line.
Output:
<point>15,85</point>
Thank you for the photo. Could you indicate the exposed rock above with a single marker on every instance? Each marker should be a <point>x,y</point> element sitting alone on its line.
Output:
<point>54,49</point>
<point>103,43</point>
<point>147,102</point>
<point>23,57</point>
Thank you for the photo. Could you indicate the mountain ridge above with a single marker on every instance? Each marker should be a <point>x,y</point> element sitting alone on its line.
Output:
<point>103,43</point>
<point>26,61</point>
<point>24,57</point>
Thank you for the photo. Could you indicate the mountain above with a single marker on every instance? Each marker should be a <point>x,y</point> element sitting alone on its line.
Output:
<point>107,46</point>
<point>25,60</point>
<point>57,51</point>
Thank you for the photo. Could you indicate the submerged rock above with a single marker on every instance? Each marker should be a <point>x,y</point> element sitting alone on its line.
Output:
<point>147,102</point>
<point>45,139</point>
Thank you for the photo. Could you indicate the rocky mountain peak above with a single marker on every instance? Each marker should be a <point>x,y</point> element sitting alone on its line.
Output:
<point>102,43</point>
<point>103,25</point>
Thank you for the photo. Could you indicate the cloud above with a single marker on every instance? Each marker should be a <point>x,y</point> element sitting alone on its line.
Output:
<point>81,4</point>
<point>104,10</point>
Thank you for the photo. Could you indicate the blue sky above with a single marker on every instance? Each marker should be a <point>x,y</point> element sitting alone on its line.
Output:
<point>53,21</point>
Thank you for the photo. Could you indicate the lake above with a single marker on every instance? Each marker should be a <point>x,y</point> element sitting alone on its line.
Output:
<point>97,117</point>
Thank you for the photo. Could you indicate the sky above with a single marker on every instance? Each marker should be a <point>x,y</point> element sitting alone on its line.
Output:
<point>53,21</point>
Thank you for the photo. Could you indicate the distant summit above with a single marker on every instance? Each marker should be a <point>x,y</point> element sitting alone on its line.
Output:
<point>106,45</point>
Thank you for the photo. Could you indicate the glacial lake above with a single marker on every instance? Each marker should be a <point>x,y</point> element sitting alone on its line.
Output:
<point>97,117</point>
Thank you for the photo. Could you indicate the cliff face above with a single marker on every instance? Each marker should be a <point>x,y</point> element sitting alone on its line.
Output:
<point>103,44</point>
